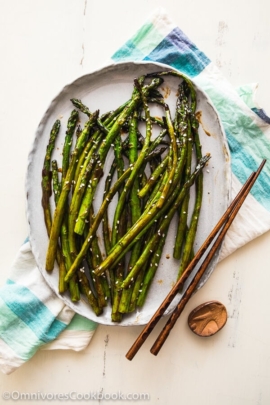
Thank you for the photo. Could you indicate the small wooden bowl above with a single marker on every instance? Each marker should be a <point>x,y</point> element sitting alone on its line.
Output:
<point>208,318</point>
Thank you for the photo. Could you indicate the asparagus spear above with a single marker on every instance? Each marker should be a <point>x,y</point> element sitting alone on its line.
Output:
<point>135,202</point>
<point>118,230</point>
<point>95,256</point>
<point>84,283</point>
<point>151,270</point>
<point>46,176</point>
<point>71,125</point>
<point>46,193</point>
<point>183,128</point>
<point>191,233</point>
<point>62,285</point>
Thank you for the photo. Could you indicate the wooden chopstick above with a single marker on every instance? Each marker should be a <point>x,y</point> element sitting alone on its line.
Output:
<point>225,221</point>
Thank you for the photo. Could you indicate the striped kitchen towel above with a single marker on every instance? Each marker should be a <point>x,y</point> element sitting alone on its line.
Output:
<point>32,317</point>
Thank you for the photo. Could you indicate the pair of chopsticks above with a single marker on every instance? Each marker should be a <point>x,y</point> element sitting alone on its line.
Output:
<point>218,234</point>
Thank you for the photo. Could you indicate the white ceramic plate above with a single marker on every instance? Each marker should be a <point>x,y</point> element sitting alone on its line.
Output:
<point>106,89</point>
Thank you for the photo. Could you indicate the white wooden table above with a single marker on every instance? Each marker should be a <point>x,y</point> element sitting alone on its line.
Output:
<point>45,44</point>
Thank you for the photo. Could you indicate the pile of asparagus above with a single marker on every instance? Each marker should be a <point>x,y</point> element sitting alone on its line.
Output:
<point>151,179</point>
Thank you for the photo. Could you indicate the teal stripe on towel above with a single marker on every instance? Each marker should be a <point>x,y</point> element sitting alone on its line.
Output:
<point>16,334</point>
<point>79,323</point>
<point>140,45</point>
<point>31,311</point>
<point>243,164</point>
<point>128,52</point>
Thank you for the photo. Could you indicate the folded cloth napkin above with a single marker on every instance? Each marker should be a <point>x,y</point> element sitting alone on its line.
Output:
<point>32,317</point>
